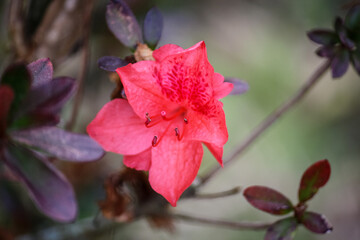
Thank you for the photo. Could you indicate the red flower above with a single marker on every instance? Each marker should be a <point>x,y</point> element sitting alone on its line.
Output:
<point>173,106</point>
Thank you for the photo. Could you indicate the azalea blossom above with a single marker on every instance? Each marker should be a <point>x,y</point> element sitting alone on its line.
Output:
<point>172,107</point>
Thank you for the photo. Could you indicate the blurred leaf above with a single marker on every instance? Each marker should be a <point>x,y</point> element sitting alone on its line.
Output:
<point>323,36</point>
<point>48,187</point>
<point>35,119</point>
<point>341,31</point>
<point>240,86</point>
<point>110,63</point>
<point>153,27</point>
<point>122,23</point>
<point>35,14</point>
<point>340,63</point>
<point>282,230</point>
<point>314,178</point>
<point>268,200</point>
<point>355,60</point>
<point>6,98</point>
<point>352,19</point>
<point>326,51</point>
<point>41,71</point>
<point>50,96</point>
<point>61,144</point>
<point>316,223</point>
<point>19,79</point>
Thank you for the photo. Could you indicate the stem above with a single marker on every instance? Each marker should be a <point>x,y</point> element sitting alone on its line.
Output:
<point>85,64</point>
<point>222,223</point>
<point>230,192</point>
<point>275,115</point>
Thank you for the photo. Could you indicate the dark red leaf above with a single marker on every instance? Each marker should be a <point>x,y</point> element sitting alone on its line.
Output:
<point>314,178</point>
<point>340,63</point>
<point>268,200</point>
<point>6,98</point>
<point>41,71</point>
<point>61,144</point>
<point>153,26</point>
<point>282,230</point>
<point>240,86</point>
<point>47,187</point>
<point>342,33</point>
<point>110,63</point>
<point>122,23</point>
<point>316,223</point>
<point>323,36</point>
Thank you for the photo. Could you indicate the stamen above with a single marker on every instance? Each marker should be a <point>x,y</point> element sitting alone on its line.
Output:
<point>177,133</point>
<point>163,114</point>
<point>186,121</point>
<point>148,119</point>
<point>155,141</point>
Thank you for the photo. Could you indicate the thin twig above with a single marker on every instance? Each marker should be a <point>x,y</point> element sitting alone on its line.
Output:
<point>85,64</point>
<point>223,223</point>
<point>304,89</point>
<point>230,192</point>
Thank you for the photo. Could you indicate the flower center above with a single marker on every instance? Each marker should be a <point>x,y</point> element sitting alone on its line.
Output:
<point>169,119</point>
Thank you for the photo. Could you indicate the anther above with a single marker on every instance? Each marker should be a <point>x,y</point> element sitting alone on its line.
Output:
<point>154,141</point>
<point>148,119</point>
<point>186,121</point>
<point>177,133</point>
<point>163,114</point>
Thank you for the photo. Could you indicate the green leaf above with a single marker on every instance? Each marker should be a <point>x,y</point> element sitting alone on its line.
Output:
<point>282,230</point>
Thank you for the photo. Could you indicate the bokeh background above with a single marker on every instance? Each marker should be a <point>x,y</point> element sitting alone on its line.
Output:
<point>264,43</point>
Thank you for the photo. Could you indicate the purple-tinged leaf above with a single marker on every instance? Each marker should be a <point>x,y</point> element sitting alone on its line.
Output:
<point>122,23</point>
<point>355,60</point>
<point>41,71</point>
<point>6,98</point>
<point>18,78</point>
<point>47,186</point>
<point>240,86</point>
<point>323,36</point>
<point>35,119</point>
<point>326,51</point>
<point>282,230</point>
<point>340,63</point>
<point>316,223</point>
<point>61,144</point>
<point>110,63</point>
<point>153,27</point>
<point>352,19</point>
<point>268,200</point>
<point>50,96</point>
<point>315,177</point>
<point>342,33</point>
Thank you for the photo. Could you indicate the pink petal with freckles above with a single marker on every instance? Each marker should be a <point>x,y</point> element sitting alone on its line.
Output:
<point>174,167</point>
<point>210,127</point>
<point>166,50</point>
<point>216,151</point>
<point>142,89</point>
<point>118,129</point>
<point>221,88</point>
<point>140,162</point>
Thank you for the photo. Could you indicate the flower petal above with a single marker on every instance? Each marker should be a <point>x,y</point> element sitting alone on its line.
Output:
<point>166,50</point>
<point>174,167</point>
<point>216,151</point>
<point>142,89</point>
<point>118,129</point>
<point>221,88</point>
<point>46,185</point>
<point>210,127</point>
<point>140,161</point>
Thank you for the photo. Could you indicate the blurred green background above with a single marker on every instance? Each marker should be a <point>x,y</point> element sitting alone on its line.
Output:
<point>263,42</point>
